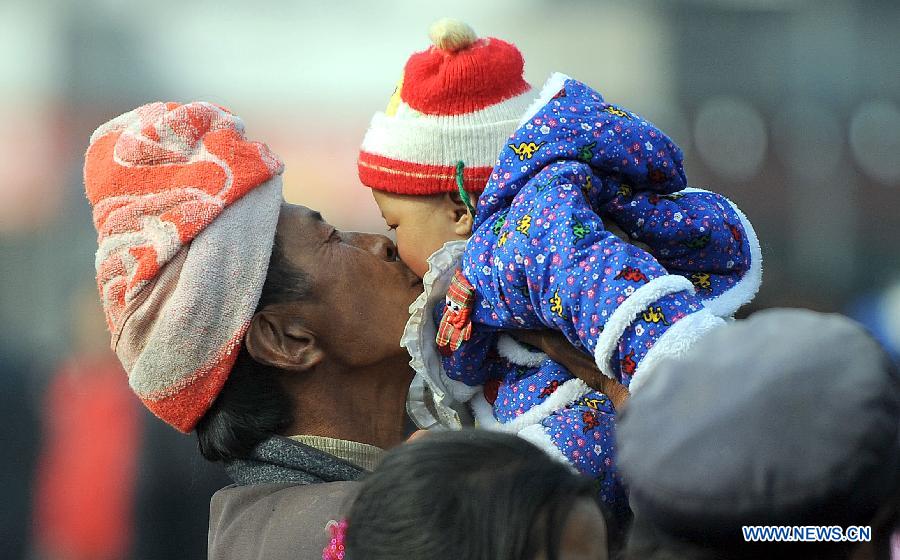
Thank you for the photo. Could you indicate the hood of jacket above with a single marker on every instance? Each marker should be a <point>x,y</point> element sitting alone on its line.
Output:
<point>569,121</point>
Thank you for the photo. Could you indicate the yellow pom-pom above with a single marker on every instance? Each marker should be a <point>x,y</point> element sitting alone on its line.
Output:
<point>451,35</point>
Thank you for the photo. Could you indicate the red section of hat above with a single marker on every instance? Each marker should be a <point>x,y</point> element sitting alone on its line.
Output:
<point>437,82</point>
<point>147,265</point>
<point>403,177</point>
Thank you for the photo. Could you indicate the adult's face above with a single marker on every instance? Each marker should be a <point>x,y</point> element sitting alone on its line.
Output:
<point>361,291</point>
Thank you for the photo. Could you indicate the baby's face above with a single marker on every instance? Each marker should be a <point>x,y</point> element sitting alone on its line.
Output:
<point>423,224</point>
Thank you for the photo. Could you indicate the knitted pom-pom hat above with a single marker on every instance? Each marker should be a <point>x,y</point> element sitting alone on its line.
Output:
<point>458,101</point>
<point>185,209</point>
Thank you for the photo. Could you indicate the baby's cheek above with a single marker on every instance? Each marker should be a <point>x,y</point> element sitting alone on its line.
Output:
<point>411,255</point>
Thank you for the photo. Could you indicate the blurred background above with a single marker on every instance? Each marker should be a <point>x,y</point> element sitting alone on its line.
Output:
<point>790,108</point>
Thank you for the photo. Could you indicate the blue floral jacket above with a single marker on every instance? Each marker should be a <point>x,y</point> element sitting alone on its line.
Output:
<point>541,257</point>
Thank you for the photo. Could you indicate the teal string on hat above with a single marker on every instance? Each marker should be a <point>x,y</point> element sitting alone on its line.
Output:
<point>460,185</point>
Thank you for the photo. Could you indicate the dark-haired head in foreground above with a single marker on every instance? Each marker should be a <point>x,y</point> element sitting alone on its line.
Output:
<point>473,495</point>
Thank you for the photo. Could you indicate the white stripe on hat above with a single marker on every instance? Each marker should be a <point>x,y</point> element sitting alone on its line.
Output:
<point>475,138</point>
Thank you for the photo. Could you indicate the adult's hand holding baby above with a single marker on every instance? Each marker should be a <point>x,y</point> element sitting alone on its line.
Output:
<point>579,364</point>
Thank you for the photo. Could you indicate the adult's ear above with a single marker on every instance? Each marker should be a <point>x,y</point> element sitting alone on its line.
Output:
<point>281,341</point>
<point>463,221</point>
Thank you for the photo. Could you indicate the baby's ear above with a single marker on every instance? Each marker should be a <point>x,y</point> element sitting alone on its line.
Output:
<point>462,218</point>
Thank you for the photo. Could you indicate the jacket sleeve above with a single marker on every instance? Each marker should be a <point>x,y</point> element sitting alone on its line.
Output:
<point>606,296</point>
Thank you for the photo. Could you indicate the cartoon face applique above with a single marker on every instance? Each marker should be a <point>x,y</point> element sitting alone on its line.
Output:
<point>455,310</point>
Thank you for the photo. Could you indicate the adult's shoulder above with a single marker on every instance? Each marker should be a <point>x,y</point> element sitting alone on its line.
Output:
<point>275,521</point>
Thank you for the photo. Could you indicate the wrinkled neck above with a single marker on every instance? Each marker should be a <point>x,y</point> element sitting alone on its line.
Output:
<point>366,405</point>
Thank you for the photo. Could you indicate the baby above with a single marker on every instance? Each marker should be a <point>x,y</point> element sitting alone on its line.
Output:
<point>535,253</point>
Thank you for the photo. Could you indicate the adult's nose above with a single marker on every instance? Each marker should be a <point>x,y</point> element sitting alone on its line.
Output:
<point>379,245</point>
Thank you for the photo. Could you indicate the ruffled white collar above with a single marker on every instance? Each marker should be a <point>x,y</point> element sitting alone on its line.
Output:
<point>434,399</point>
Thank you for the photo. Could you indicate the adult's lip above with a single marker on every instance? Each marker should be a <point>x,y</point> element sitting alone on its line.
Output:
<point>414,280</point>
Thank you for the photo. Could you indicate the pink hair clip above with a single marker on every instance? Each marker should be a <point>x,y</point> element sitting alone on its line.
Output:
<point>335,548</point>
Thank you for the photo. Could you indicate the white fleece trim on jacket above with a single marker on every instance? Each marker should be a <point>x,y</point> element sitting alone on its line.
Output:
<point>729,301</point>
<point>554,83</point>
<point>675,342</point>
<point>515,352</point>
<point>628,311</point>
<point>483,412</point>
<point>537,435</point>
<point>567,393</point>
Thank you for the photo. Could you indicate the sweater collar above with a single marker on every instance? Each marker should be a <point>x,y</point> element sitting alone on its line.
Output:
<point>362,455</point>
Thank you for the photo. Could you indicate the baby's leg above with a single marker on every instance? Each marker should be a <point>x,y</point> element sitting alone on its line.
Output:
<point>697,234</point>
<point>583,433</point>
